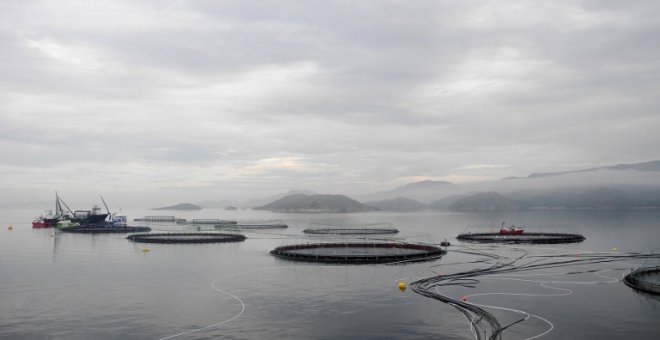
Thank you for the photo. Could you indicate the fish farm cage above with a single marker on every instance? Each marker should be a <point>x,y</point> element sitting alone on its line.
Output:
<point>208,221</point>
<point>375,229</point>
<point>645,279</point>
<point>186,238</point>
<point>527,238</point>
<point>160,219</point>
<point>276,224</point>
<point>104,230</point>
<point>359,253</point>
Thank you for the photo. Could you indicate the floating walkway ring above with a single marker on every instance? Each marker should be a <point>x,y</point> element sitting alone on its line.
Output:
<point>528,238</point>
<point>350,231</point>
<point>644,279</point>
<point>255,226</point>
<point>186,238</point>
<point>358,253</point>
<point>104,230</point>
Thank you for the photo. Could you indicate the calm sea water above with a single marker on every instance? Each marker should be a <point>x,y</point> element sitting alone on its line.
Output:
<point>67,286</point>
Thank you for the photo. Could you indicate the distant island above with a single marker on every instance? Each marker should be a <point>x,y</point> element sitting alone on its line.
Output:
<point>301,203</point>
<point>621,186</point>
<point>181,206</point>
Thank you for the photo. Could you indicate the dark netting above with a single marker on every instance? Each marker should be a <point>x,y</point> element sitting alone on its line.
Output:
<point>358,253</point>
<point>350,231</point>
<point>209,221</point>
<point>644,279</point>
<point>160,219</point>
<point>252,225</point>
<point>104,230</point>
<point>186,238</point>
<point>542,238</point>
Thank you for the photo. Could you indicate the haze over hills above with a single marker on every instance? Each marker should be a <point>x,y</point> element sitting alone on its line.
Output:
<point>486,201</point>
<point>263,201</point>
<point>424,191</point>
<point>180,206</point>
<point>653,166</point>
<point>221,204</point>
<point>446,202</point>
<point>622,186</point>
<point>301,203</point>
<point>400,204</point>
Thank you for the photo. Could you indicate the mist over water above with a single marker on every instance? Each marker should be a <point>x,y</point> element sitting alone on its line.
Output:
<point>423,106</point>
<point>74,286</point>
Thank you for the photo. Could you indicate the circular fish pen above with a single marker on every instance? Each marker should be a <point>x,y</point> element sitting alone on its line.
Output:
<point>252,225</point>
<point>350,231</point>
<point>358,253</point>
<point>528,238</point>
<point>104,230</point>
<point>644,279</point>
<point>186,238</point>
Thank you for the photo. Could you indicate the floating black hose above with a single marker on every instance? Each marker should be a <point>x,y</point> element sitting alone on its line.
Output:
<point>485,325</point>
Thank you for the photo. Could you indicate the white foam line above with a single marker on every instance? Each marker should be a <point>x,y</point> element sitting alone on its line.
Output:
<point>214,287</point>
<point>527,316</point>
<point>215,324</point>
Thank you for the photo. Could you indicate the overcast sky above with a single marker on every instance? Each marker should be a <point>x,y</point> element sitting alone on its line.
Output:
<point>192,100</point>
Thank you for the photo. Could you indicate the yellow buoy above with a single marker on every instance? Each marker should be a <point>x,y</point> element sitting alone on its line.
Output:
<point>10,227</point>
<point>145,250</point>
<point>615,249</point>
<point>402,286</point>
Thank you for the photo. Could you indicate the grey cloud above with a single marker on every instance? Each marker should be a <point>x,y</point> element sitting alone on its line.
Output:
<point>359,94</point>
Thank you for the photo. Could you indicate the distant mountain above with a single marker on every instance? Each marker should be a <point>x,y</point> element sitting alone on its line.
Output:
<point>424,191</point>
<point>629,197</point>
<point>181,206</point>
<point>263,201</point>
<point>600,198</point>
<point>400,204</point>
<point>603,198</point>
<point>446,202</point>
<point>487,201</point>
<point>652,166</point>
<point>301,203</point>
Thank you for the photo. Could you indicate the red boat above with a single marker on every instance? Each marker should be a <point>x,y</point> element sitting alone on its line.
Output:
<point>40,224</point>
<point>511,230</point>
<point>47,221</point>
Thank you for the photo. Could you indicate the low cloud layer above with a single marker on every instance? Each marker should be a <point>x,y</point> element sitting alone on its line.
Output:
<point>235,99</point>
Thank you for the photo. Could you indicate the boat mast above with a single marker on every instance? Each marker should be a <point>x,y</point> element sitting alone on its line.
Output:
<point>58,206</point>
<point>67,207</point>
<point>106,206</point>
